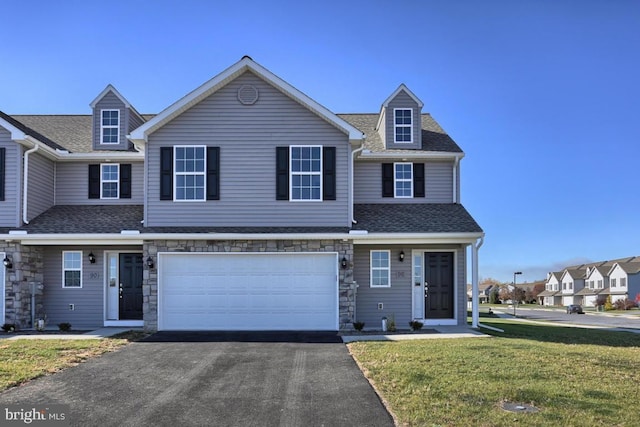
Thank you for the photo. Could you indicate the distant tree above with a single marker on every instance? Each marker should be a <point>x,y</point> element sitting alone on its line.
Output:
<point>490,281</point>
<point>600,300</point>
<point>531,294</point>
<point>607,303</point>
<point>518,294</point>
<point>494,296</point>
<point>505,294</point>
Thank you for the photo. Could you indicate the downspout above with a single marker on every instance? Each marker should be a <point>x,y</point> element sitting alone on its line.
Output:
<point>455,179</point>
<point>25,182</point>
<point>353,172</point>
<point>475,315</point>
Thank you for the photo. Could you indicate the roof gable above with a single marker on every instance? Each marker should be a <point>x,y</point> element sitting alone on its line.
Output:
<point>113,90</point>
<point>405,89</point>
<point>216,83</point>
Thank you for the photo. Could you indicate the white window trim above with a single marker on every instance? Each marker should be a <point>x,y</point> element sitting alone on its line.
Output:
<point>64,284</point>
<point>103,181</point>
<point>395,126</point>
<point>396,180</point>
<point>291,173</point>
<point>103,127</point>
<point>371,268</point>
<point>176,173</point>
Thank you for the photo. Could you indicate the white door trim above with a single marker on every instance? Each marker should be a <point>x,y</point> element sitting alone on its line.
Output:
<point>105,290</point>
<point>3,289</point>
<point>434,322</point>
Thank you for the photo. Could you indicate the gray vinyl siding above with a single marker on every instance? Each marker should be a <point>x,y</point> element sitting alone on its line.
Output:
<point>134,121</point>
<point>41,185</point>
<point>397,300</point>
<point>438,183</point>
<point>88,300</point>
<point>403,100</point>
<point>72,185</point>
<point>110,102</point>
<point>247,136</point>
<point>10,207</point>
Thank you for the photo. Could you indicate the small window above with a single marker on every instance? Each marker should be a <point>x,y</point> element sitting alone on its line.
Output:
<point>71,269</point>
<point>623,282</point>
<point>189,177</point>
<point>403,180</point>
<point>613,283</point>
<point>110,127</point>
<point>306,173</point>
<point>600,284</point>
<point>403,125</point>
<point>109,181</point>
<point>380,269</point>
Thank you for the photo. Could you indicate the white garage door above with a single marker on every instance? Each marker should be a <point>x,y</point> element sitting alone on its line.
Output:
<point>247,291</point>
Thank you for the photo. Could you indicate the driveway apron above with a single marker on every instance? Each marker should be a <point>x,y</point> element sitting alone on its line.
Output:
<point>214,379</point>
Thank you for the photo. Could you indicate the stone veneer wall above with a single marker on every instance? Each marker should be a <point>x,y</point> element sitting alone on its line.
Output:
<point>347,287</point>
<point>27,267</point>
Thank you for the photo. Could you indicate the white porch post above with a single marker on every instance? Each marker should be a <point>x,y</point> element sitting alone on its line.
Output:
<point>475,313</point>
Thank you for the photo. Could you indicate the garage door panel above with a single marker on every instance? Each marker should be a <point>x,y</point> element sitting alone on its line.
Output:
<point>248,291</point>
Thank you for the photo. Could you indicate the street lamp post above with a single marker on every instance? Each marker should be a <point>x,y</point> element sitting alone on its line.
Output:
<point>515,300</point>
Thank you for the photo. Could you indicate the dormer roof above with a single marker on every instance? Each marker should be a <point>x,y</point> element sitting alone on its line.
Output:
<point>113,90</point>
<point>395,93</point>
<point>216,83</point>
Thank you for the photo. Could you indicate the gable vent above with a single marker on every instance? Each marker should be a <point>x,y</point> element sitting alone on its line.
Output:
<point>247,94</point>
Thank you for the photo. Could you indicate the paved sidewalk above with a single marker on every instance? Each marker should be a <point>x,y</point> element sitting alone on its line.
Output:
<point>442,332</point>
<point>97,334</point>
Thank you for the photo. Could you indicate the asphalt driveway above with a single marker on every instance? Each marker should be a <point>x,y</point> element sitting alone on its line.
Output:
<point>209,379</point>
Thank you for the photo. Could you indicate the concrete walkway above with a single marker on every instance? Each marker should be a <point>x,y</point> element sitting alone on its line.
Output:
<point>97,334</point>
<point>442,332</point>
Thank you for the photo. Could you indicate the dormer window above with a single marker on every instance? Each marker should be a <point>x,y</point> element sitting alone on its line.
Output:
<point>403,125</point>
<point>110,127</point>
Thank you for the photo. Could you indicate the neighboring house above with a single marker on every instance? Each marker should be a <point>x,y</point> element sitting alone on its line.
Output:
<point>551,294</point>
<point>572,282</point>
<point>244,205</point>
<point>484,291</point>
<point>624,280</point>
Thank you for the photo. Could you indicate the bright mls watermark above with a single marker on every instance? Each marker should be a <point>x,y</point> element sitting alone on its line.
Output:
<point>36,415</point>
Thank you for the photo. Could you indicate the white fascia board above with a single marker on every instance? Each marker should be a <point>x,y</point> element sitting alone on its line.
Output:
<point>16,134</point>
<point>416,238</point>
<point>104,157</point>
<point>106,90</point>
<point>217,82</point>
<point>395,93</point>
<point>416,155</point>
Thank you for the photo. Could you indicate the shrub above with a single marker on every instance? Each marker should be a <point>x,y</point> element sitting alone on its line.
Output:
<point>624,304</point>
<point>607,303</point>
<point>415,325</point>
<point>64,326</point>
<point>391,323</point>
<point>358,326</point>
<point>8,327</point>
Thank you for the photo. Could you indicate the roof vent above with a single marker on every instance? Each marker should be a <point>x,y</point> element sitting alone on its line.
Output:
<point>247,94</point>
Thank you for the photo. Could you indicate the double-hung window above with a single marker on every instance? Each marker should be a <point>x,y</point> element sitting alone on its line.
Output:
<point>623,282</point>
<point>109,181</point>
<point>380,269</point>
<point>403,125</point>
<point>71,269</point>
<point>306,173</point>
<point>403,180</point>
<point>110,127</point>
<point>190,171</point>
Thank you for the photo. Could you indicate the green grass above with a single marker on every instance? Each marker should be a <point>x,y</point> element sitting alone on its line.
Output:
<point>576,377</point>
<point>25,359</point>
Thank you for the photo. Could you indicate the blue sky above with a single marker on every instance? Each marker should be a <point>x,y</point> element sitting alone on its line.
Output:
<point>543,96</point>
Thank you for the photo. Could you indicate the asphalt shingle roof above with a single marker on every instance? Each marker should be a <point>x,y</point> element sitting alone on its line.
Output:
<point>434,138</point>
<point>30,131</point>
<point>414,218</point>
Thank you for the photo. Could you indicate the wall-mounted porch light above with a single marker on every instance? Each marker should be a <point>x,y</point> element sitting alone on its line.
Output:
<point>150,262</point>
<point>92,258</point>
<point>7,262</point>
<point>343,263</point>
<point>401,257</point>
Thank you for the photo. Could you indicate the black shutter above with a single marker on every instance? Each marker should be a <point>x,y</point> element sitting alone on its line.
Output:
<point>2,157</point>
<point>329,173</point>
<point>94,181</point>
<point>166,173</point>
<point>125,181</point>
<point>282,173</point>
<point>387,180</point>
<point>213,173</point>
<point>418,180</point>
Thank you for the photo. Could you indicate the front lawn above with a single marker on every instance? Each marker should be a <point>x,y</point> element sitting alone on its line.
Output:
<point>25,359</point>
<point>573,376</point>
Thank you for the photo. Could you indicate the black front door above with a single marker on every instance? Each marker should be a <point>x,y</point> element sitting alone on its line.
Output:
<point>130,287</point>
<point>438,285</point>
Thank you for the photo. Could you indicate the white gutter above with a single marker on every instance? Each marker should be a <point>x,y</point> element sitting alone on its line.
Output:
<point>25,182</point>
<point>475,315</point>
<point>455,179</point>
<point>404,155</point>
<point>353,172</point>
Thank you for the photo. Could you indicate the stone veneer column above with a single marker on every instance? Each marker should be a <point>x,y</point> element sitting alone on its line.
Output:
<point>27,267</point>
<point>347,287</point>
